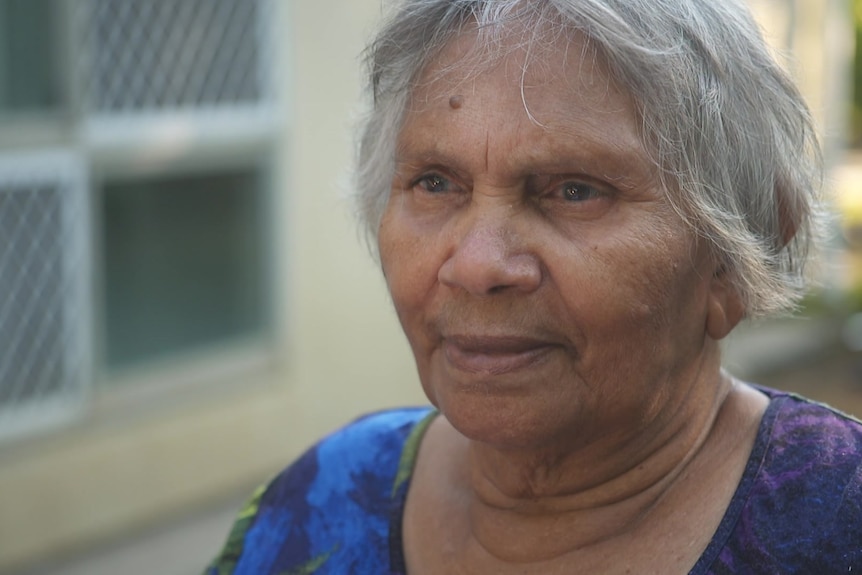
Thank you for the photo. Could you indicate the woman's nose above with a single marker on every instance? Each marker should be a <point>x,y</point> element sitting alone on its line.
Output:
<point>487,259</point>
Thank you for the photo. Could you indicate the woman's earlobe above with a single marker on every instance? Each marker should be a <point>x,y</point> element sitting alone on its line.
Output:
<point>725,308</point>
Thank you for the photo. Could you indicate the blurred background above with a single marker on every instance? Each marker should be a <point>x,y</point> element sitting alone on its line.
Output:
<point>186,300</point>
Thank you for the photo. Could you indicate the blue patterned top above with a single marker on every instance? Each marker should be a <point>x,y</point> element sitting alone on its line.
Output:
<point>338,508</point>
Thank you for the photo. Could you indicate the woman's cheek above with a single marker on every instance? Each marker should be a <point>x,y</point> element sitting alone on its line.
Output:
<point>405,266</point>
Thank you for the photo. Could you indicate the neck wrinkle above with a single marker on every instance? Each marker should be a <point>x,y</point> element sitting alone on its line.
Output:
<point>586,511</point>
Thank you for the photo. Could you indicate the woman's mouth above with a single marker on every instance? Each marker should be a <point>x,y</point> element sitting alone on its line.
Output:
<point>494,355</point>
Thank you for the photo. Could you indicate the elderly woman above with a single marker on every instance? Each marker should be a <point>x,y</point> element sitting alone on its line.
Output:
<point>574,202</point>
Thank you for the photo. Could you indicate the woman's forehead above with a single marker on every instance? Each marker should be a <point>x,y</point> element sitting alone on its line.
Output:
<point>538,66</point>
<point>559,87</point>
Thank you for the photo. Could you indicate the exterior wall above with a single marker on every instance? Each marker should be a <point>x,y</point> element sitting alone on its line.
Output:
<point>159,448</point>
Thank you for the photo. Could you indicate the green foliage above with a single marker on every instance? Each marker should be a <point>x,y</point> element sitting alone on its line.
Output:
<point>854,299</point>
<point>856,110</point>
<point>312,566</point>
<point>225,563</point>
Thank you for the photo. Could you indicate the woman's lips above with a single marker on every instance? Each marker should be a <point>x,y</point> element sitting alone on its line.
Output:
<point>493,355</point>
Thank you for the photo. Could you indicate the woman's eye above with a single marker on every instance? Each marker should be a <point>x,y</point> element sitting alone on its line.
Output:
<point>433,183</point>
<point>579,192</point>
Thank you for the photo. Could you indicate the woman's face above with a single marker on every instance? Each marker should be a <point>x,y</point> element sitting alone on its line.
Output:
<point>546,286</point>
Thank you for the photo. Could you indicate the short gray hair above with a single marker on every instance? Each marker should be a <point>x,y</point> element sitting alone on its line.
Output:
<point>730,132</point>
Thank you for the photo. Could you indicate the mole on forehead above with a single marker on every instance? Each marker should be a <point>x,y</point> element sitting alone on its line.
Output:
<point>456,101</point>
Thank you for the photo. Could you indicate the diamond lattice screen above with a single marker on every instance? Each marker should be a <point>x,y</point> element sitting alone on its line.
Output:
<point>40,358</point>
<point>151,55</point>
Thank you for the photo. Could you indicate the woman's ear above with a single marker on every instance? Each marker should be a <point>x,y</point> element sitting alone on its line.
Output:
<point>724,308</point>
<point>790,214</point>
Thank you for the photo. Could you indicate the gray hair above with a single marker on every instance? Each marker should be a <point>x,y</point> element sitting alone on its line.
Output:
<point>729,131</point>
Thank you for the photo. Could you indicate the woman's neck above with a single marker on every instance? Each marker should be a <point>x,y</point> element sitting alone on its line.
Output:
<point>528,506</point>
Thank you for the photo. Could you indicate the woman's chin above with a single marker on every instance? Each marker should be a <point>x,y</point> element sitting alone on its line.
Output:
<point>506,421</point>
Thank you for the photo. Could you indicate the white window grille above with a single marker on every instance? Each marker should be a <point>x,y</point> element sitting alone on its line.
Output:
<point>45,355</point>
<point>164,54</point>
<point>198,71</point>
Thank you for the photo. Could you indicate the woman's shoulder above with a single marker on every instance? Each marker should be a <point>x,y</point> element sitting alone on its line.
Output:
<point>813,455</point>
<point>800,429</point>
<point>337,496</point>
<point>363,455</point>
<point>800,501</point>
<point>366,440</point>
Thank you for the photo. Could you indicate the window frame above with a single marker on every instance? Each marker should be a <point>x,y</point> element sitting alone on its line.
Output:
<point>65,169</point>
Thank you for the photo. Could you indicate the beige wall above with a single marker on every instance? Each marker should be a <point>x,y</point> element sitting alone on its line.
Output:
<point>147,454</point>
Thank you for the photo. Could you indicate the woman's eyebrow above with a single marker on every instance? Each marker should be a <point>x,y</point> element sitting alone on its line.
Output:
<point>616,168</point>
<point>414,159</point>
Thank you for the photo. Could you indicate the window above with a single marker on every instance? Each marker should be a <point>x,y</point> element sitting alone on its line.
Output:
<point>134,181</point>
<point>183,263</point>
<point>29,76</point>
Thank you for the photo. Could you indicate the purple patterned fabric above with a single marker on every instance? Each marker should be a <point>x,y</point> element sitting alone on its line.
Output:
<point>797,509</point>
